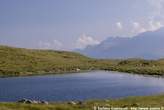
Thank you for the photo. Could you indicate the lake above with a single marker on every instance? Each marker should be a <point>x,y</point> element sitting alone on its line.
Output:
<point>79,86</point>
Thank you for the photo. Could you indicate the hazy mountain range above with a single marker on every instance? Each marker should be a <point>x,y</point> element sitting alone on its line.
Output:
<point>148,45</point>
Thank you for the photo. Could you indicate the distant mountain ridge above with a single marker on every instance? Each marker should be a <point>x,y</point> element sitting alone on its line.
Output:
<point>147,45</point>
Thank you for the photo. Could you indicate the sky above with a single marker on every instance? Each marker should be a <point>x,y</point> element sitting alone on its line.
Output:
<point>72,24</point>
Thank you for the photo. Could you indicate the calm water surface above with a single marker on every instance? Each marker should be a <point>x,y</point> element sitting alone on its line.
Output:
<point>79,86</point>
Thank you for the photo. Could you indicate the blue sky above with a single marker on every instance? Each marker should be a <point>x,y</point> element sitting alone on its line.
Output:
<point>70,24</point>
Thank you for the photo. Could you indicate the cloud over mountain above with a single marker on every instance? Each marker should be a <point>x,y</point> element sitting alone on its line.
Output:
<point>85,40</point>
<point>147,45</point>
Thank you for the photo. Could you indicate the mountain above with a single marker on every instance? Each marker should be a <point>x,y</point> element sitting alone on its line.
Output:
<point>147,45</point>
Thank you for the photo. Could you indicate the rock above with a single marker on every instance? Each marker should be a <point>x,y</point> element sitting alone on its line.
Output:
<point>77,69</point>
<point>22,100</point>
<point>29,102</point>
<point>92,68</point>
<point>35,102</point>
<point>134,105</point>
<point>44,102</point>
<point>79,102</point>
<point>72,103</point>
<point>124,106</point>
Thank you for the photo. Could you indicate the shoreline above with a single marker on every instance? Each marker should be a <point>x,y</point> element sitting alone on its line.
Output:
<point>133,101</point>
<point>81,71</point>
<point>48,73</point>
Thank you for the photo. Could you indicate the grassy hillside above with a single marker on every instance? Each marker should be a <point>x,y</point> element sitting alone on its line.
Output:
<point>140,66</point>
<point>19,62</point>
<point>146,101</point>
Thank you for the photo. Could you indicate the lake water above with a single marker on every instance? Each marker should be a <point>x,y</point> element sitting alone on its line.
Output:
<point>79,86</point>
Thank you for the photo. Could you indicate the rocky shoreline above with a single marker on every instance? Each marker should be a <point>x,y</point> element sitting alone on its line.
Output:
<point>28,101</point>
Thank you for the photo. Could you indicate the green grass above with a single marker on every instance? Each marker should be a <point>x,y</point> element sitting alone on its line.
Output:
<point>18,61</point>
<point>23,62</point>
<point>140,66</point>
<point>141,101</point>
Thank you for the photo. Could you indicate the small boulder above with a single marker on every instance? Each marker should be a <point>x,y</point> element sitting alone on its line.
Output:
<point>44,102</point>
<point>77,69</point>
<point>79,102</point>
<point>134,105</point>
<point>35,102</point>
<point>72,103</point>
<point>22,100</point>
<point>29,102</point>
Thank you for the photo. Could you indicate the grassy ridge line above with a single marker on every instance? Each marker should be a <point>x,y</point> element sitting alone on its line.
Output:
<point>141,101</point>
<point>140,66</point>
<point>18,61</point>
<point>23,62</point>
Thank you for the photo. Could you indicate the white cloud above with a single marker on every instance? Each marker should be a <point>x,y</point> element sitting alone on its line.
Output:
<point>85,40</point>
<point>154,25</point>
<point>137,28</point>
<point>156,17</point>
<point>119,25</point>
<point>55,44</point>
<point>157,8</point>
<point>136,25</point>
<point>154,21</point>
<point>149,26</point>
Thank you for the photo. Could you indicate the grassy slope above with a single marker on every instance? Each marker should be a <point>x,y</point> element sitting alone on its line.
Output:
<point>146,101</point>
<point>18,62</point>
<point>140,66</point>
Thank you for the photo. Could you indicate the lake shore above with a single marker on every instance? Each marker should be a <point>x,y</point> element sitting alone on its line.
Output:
<point>139,101</point>
<point>132,71</point>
